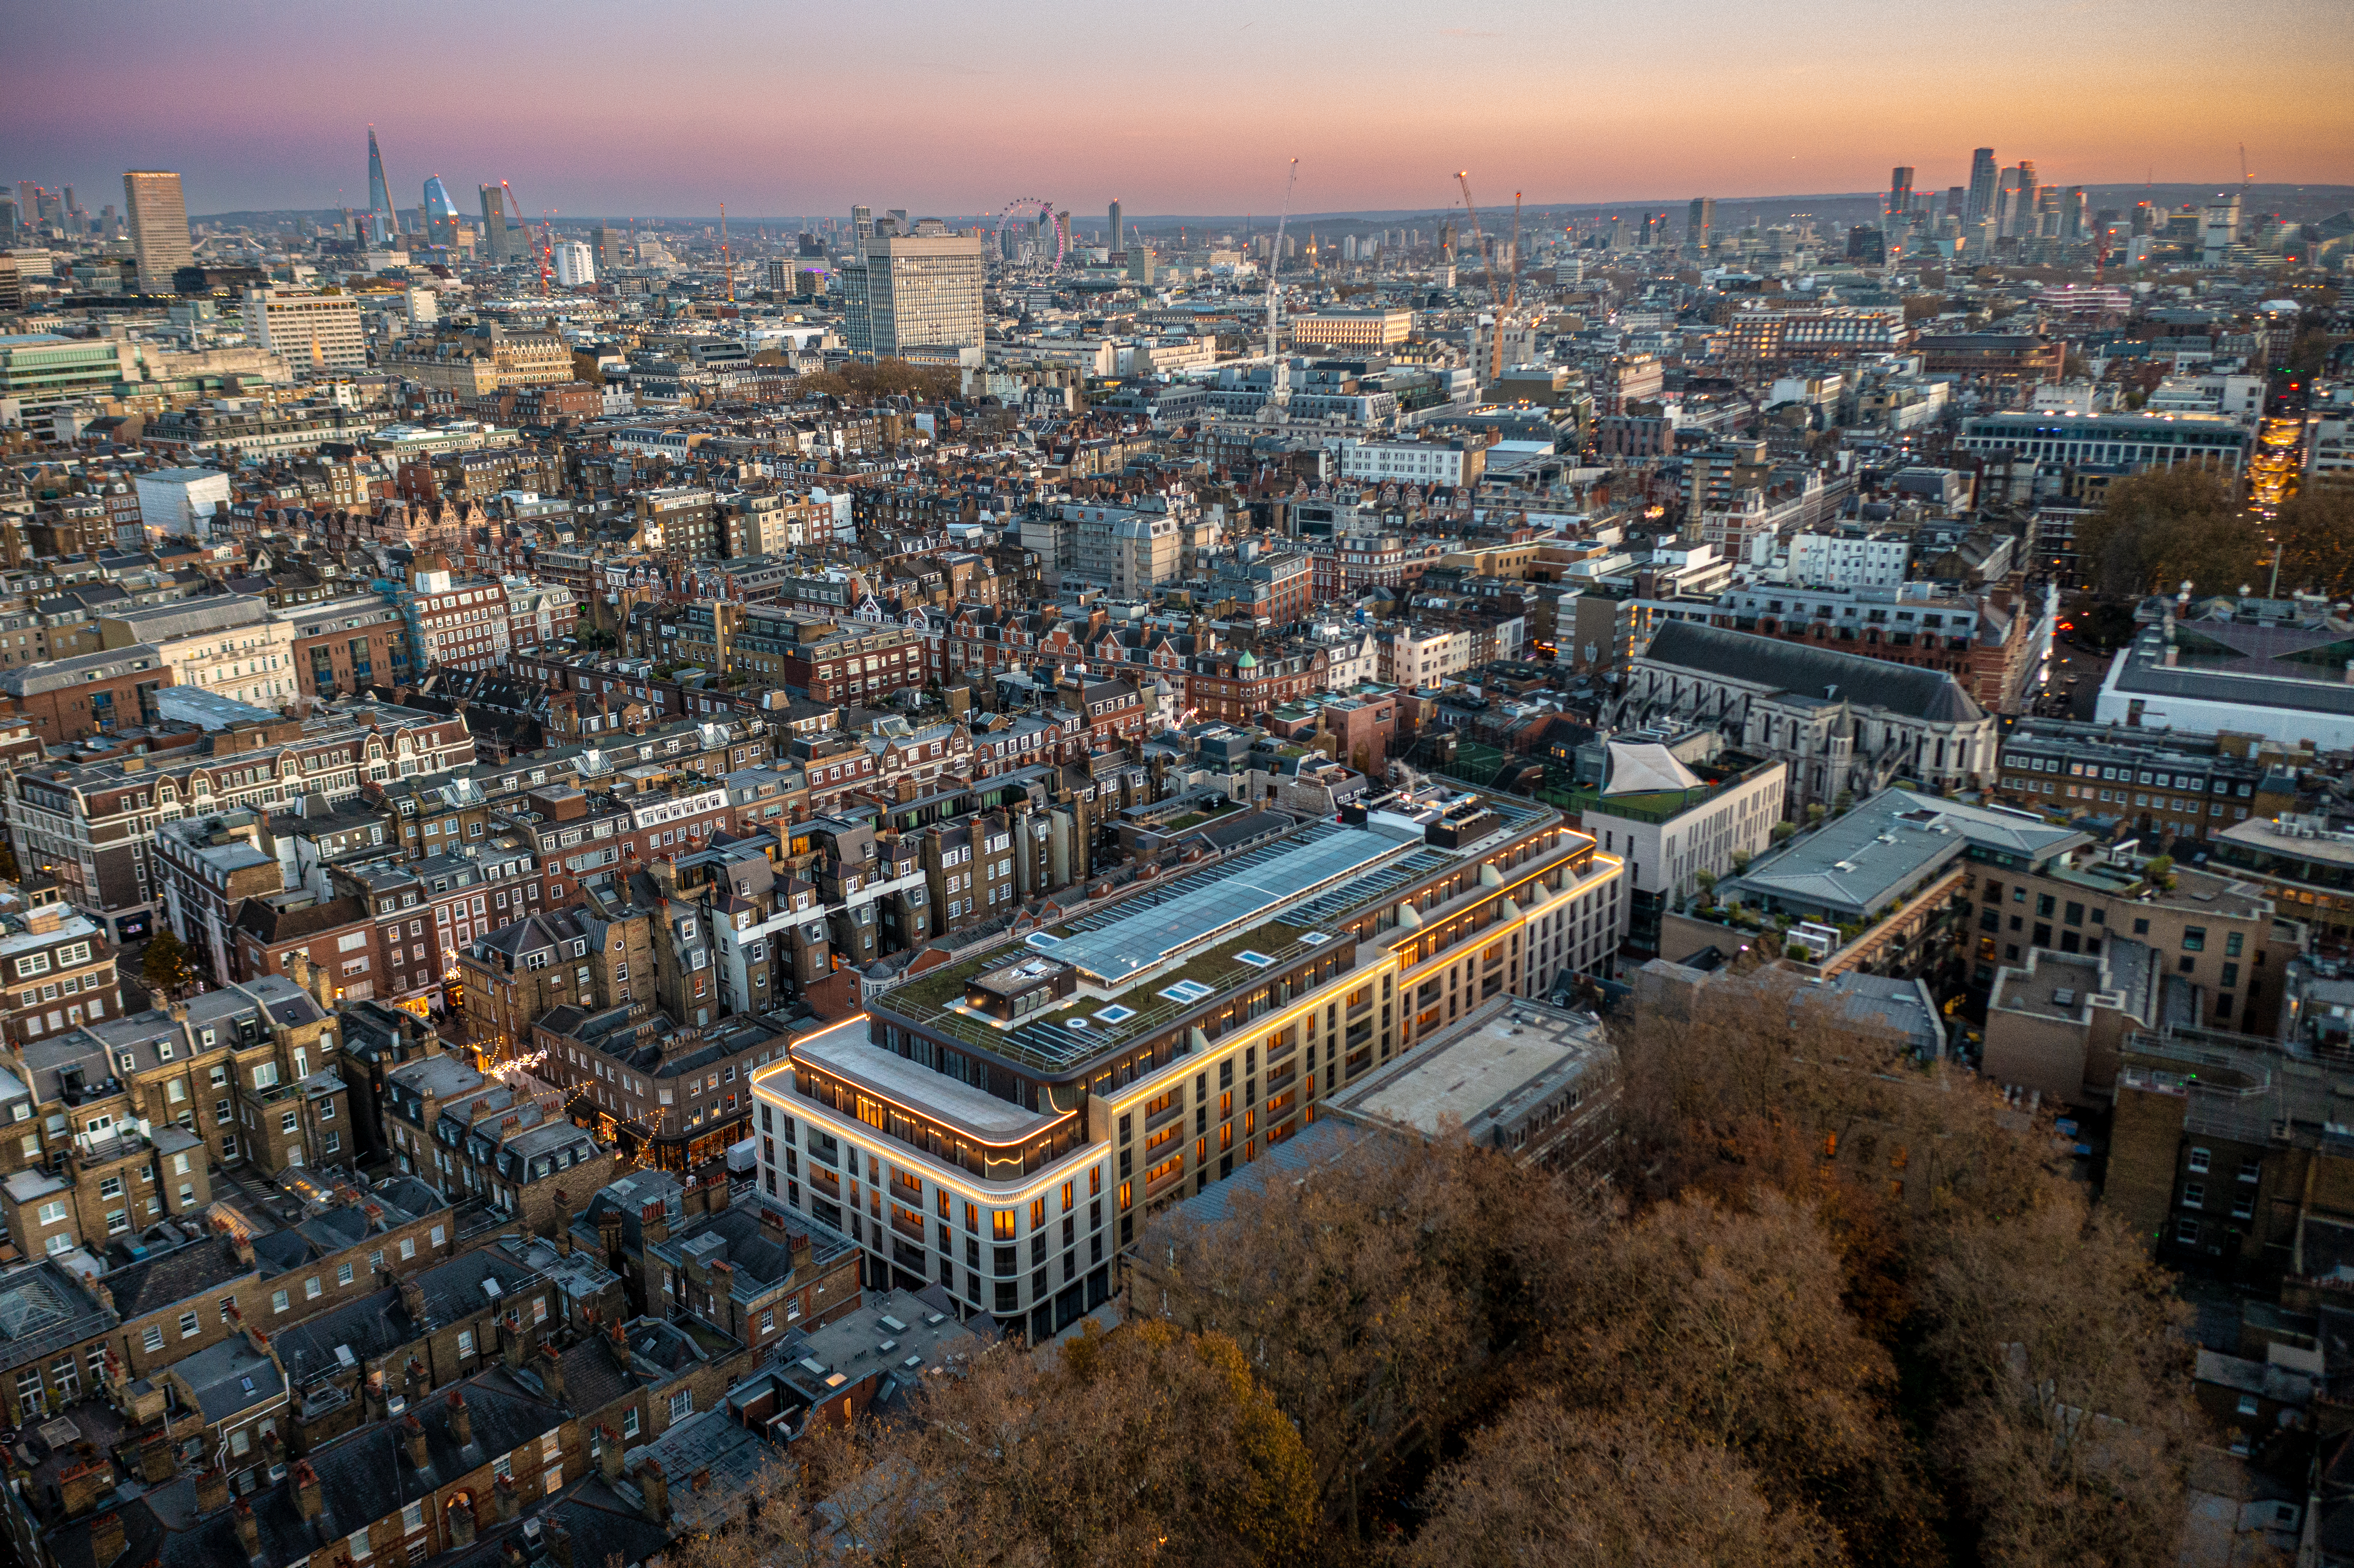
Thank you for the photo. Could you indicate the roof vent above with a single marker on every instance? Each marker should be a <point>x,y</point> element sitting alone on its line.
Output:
<point>2063,999</point>
<point>491,1288</point>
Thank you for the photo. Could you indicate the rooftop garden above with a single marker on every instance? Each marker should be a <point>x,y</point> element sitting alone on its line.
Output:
<point>1220,967</point>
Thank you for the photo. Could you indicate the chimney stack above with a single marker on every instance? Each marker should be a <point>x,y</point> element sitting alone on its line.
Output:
<point>248,1532</point>
<point>551,1374</point>
<point>560,1545</point>
<point>654,1488</point>
<point>504,1493</point>
<point>412,1302</point>
<point>309,1501</point>
<point>461,1525</point>
<point>212,1489</point>
<point>462,1420</point>
<point>106,1539</point>
<point>512,1347</point>
<point>608,1454</point>
<point>412,1432</point>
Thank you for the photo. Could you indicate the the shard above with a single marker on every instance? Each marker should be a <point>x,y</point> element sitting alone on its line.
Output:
<point>384,225</point>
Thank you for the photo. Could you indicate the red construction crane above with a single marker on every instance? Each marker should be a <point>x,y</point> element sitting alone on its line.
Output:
<point>547,251</point>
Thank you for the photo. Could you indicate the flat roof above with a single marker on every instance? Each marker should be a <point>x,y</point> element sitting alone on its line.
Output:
<point>844,1049</point>
<point>1483,1069</point>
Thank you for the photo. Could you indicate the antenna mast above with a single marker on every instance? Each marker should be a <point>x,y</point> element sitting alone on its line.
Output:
<point>725,260</point>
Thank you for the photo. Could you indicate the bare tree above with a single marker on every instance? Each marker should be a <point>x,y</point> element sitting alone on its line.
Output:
<point>1376,1298</point>
<point>1553,1487</point>
<point>2068,1427</point>
<point>1727,1328</point>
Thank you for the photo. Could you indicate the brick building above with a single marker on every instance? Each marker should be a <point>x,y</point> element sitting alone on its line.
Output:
<point>91,694</point>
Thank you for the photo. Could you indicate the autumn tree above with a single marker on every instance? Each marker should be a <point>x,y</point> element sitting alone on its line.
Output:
<point>168,967</point>
<point>2065,1377</point>
<point>2165,526</point>
<point>1726,1330</point>
<point>1151,1444</point>
<point>1378,1298</point>
<point>1551,1486</point>
<point>2314,532</point>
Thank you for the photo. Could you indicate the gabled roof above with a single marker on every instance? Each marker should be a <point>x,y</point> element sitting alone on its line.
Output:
<point>1779,664</point>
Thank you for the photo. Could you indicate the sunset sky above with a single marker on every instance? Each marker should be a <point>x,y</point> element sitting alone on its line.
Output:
<point>780,109</point>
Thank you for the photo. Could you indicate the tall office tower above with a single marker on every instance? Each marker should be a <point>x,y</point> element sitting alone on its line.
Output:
<point>159,226</point>
<point>812,246</point>
<point>909,293</point>
<point>73,212</point>
<point>2005,211</point>
<point>2028,190</point>
<point>383,223</point>
<point>1700,219</point>
<point>2047,212</point>
<point>608,240</point>
<point>8,214</point>
<point>862,227</point>
<point>1983,177</point>
<point>494,224</point>
<point>1900,191</point>
<point>1956,201</point>
<point>2072,213</point>
<point>1119,235</point>
<point>440,216</point>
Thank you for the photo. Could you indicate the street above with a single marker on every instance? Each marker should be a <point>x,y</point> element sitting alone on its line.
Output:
<point>2087,669</point>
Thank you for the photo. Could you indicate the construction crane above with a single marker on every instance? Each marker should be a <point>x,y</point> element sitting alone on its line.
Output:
<point>726,262</point>
<point>1275,260</point>
<point>546,247</point>
<point>1504,300</point>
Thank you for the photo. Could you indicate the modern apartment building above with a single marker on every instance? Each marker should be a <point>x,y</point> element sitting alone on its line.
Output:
<point>996,1123</point>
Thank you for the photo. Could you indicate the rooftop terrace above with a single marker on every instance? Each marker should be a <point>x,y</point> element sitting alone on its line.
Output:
<point>1170,950</point>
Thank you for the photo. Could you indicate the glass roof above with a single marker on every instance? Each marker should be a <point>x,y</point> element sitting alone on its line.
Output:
<point>1144,931</point>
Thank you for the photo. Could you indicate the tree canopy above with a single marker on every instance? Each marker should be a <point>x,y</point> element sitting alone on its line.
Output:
<point>1834,1308</point>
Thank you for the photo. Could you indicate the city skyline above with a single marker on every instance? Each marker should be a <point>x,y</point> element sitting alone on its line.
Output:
<point>1567,118</point>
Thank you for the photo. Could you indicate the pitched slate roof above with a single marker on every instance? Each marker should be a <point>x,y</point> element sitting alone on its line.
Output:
<point>1810,669</point>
